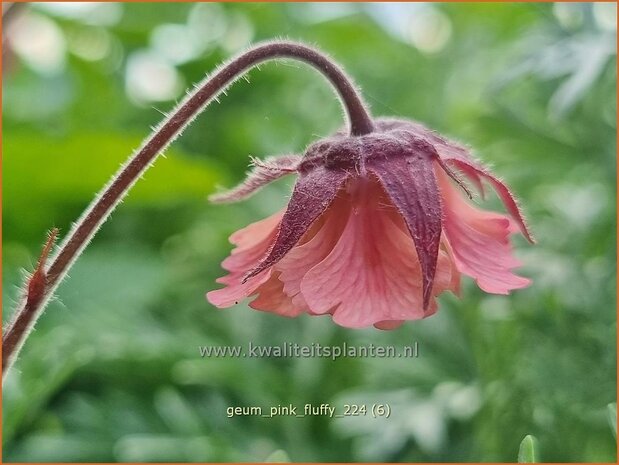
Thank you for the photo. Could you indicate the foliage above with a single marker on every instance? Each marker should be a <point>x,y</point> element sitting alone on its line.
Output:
<point>528,450</point>
<point>113,372</point>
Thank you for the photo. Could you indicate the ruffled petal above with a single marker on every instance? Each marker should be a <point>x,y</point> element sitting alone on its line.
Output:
<point>372,275</point>
<point>454,285</point>
<point>236,290</point>
<point>272,298</point>
<point>252,242</point>
<point>479,242</point>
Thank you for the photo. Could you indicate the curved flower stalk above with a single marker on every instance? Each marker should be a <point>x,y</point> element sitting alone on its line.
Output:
<point>377,226</point>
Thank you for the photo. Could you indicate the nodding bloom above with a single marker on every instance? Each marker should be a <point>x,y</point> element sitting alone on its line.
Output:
<point>377,226</point>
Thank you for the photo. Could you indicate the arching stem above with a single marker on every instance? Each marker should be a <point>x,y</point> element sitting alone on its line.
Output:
<point>30,308</point>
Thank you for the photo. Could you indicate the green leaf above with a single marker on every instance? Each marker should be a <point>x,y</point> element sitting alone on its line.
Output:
<point>612,417</point>
<point>528,452</point>
<point>278,456</point>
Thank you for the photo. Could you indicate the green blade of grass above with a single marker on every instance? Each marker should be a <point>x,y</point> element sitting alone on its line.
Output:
<point>612,417</point>
<point>528,452</point>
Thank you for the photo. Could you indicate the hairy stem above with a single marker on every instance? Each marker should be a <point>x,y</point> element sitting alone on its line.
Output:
<point>97,212</point>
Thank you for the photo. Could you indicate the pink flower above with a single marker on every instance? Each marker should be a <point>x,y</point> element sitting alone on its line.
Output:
<point>376,228</point>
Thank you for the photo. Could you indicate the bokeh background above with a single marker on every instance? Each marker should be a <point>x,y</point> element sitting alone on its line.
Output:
<point>113,372</point>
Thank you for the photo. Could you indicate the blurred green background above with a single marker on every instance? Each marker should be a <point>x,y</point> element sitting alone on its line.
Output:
<point>113,372</point>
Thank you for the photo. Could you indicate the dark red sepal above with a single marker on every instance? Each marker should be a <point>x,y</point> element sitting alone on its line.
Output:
<point>409,180</point>
<point>314,191</point>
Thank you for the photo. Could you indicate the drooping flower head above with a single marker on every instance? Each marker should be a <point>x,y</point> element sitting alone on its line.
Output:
<point>377,226</point>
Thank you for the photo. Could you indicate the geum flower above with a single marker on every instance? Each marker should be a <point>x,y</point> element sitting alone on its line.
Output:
<point>377,226</point>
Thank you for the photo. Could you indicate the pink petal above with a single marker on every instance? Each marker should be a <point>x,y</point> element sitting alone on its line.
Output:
<point>454,286</point>
<point>252,243</point>
<point>479,242</point>
<point>271,298</point>
<point>235,290</point>
<point>372,275</point>
<point>251,235</point>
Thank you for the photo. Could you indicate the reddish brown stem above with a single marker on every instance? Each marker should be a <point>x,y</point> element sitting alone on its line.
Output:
<point>103,204</point>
